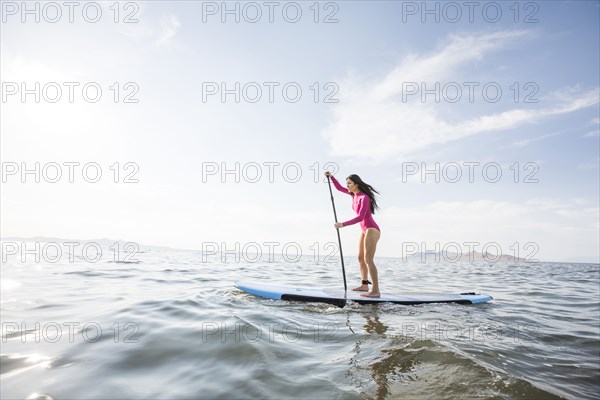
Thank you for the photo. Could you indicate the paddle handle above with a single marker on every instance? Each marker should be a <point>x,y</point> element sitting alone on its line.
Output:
<point>338,235</point>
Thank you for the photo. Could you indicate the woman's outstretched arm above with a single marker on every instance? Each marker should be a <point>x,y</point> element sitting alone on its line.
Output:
<point>338,186</point>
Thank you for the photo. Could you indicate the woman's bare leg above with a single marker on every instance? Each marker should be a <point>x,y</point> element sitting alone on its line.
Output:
<point>371,238</point>
<point>364,271</point>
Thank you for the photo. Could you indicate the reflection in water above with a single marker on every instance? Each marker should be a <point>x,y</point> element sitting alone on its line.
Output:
<point>374,325</point>
<point>15,364</point>
<point>395,365</point>
<point>391,364</point>
<point>393,361</point>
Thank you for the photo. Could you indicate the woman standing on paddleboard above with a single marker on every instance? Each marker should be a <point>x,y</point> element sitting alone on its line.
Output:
<point>364,204</point>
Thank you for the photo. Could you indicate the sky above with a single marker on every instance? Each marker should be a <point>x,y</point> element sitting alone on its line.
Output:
<point>213,123</point>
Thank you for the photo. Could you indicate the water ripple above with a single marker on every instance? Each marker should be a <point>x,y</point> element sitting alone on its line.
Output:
<point>173,326</point>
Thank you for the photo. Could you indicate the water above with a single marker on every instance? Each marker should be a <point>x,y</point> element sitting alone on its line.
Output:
<point>172,326</point>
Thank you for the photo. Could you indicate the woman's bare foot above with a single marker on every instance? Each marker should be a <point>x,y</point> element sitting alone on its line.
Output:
<point>371,294</point>
<point>361,288</point>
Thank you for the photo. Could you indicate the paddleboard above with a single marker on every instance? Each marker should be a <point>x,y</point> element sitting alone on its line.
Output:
<point>336,297</point>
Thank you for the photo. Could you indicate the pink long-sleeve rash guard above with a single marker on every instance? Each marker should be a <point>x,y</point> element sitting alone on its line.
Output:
<point>361,204</point>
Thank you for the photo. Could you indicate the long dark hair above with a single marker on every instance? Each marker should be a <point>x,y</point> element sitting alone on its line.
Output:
<point>367,189</point>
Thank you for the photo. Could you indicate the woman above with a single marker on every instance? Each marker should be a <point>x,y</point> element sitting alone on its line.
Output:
<point>364,204</point>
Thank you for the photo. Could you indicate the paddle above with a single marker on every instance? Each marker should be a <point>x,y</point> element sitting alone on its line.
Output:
<point>339,239</point>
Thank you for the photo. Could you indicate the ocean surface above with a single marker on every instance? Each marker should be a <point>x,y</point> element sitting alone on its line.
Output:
<point>169,324</point>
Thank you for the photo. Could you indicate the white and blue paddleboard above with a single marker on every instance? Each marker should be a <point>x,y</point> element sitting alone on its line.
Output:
<point>336,297</point>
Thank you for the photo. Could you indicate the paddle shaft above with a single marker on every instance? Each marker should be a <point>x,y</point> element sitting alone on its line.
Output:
<point>338,235</point>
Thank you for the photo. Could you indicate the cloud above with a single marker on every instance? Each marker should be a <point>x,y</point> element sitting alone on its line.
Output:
<point>168,29</point>
<point>374,120</point>
<point>525,142</point>
<point>589,165</point>
<point>596,132</point>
